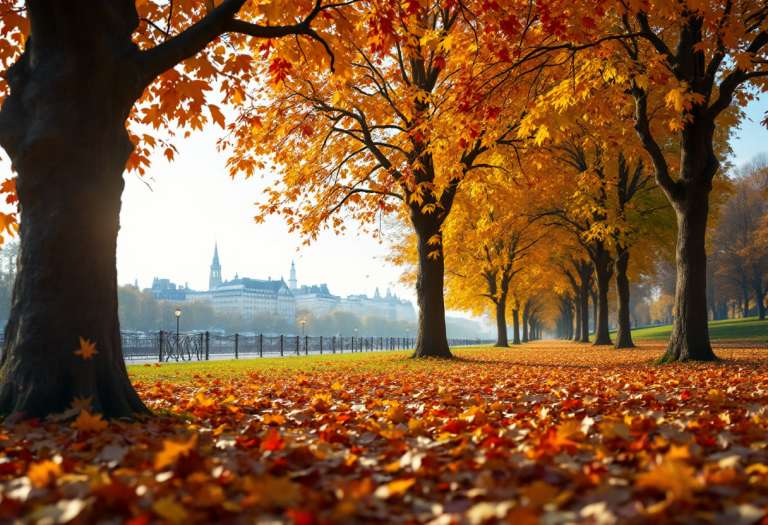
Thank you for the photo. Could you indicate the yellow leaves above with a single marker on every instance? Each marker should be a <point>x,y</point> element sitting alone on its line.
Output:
<point>542,134</point>
<point>85,422</point>
<point>42,473</point>
<point>173,450</point>
<point>673,477</point>
<point>396,414</point>
<point>169,509</point>
<point>87,349</point>
<point>270,491</point>
<point>273,419</point>
<point>716,396</point>
<point>614,428</point>
<point>337,386</point>
<point>394,488</point>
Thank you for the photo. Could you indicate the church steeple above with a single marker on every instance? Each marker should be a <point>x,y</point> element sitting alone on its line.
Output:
<point>215,280</point>
<point>292,282</point>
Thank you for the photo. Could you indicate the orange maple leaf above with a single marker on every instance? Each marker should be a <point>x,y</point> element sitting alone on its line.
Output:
<point>85,422</point>
<point>81,402</point>
<point>172,451</point>
<point>87,349</point>
<point>42,473</point>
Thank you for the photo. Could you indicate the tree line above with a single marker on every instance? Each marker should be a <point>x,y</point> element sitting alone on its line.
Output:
<point>536,154</point>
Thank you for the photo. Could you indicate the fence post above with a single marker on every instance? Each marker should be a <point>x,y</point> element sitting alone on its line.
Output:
<point>321,345</point>
<point>341,345</point>
<point>281,345</point>
<point>237,338</point>
<point>160,340</point>
<point>333,344</point>
<point>261,345</point>
<point>298,339</point>
<point>207,346</point>
<point>306,345</point>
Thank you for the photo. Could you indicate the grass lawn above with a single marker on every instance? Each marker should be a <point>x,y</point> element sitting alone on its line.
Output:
<point>729,329</point>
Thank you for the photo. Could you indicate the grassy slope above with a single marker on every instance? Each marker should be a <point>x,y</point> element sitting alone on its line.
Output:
<point>749,328</point>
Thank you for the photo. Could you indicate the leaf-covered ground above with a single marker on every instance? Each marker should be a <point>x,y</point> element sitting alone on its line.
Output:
<point>548,433</point>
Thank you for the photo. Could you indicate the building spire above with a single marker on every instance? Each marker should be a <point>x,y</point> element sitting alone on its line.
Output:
<point>292,282</point>
<point>214,281</point>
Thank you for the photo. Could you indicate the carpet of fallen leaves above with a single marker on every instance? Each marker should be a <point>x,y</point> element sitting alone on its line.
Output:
<point>550,433</point>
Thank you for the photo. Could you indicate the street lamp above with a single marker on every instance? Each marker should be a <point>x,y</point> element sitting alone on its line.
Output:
<point>178,315</point>
<point>353,341</point>
<point>303,322</point>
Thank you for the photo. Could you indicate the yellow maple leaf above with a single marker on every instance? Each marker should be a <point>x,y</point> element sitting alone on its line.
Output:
<point>170,510</point>
<point>87,349</point>
<point>83,402</point>
<point>394,488</point>
<point>673,477</point>
<point>614,427</point>
<point>173,450</point>
<point>85,422</point>
<point>42,473</point>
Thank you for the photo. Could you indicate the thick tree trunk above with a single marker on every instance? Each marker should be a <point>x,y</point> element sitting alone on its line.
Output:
<point>624,332</point>
<point>501,323</point>
<point>602,280</point>
<point>431,340</point>
<point>690,333</point>
<point>515,326</point>
<point>63,126</point>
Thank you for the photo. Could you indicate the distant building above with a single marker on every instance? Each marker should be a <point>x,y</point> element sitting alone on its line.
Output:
<point>165,290</point>
<point>250,296</point>
<point>319,300</point>
<point>244,295</point>
<point>315,298</point>
<point>390,307</point>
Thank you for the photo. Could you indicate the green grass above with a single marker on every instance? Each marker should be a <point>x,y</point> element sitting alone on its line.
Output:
<point>729,329</point>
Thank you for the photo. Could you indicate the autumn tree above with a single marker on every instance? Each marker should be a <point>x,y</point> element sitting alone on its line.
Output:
<point>737,238</point>
<point>705,56</point>
<point>426,96</point>
<point>82,71</point>
<point>490,239</point>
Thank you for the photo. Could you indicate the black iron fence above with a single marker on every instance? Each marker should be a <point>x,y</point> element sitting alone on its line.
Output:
<point>170,346</point>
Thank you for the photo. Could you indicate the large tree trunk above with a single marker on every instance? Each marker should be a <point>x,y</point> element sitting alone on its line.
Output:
<point>624,331</point>
<point>602,280</point>
<point>63,126</point>
<point>501,323</point>
<point>745,294</point>
<point>690,333</point>
<point>515,327</point>
<point>431,340</point>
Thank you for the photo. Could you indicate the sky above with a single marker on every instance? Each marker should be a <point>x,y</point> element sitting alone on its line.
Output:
<point>172,217</point>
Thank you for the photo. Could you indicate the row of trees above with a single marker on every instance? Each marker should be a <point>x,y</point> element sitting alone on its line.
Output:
<point>417,110</point>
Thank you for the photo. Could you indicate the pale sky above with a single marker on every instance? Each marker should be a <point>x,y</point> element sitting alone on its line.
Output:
<point>169,231</point>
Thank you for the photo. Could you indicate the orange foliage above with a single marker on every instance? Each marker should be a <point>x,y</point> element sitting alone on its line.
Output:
<point>522,435</point>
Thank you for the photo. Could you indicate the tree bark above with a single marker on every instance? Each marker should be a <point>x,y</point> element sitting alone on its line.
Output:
<point>690,333</point>
<point>759,295</point>
<point>501,323</point>
<point>431,340</point>
<point>69,157</point>
<point>515,326</point>
<point>624,331</point>
<point>602,281</point>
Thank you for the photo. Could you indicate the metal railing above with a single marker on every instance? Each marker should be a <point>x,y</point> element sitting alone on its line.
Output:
<point>203,346</point>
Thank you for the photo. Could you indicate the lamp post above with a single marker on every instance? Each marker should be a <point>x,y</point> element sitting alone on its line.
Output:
<point>407,335</point>
<point>178,316</point>
<point>358,342</point>
<point>303,322</point>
